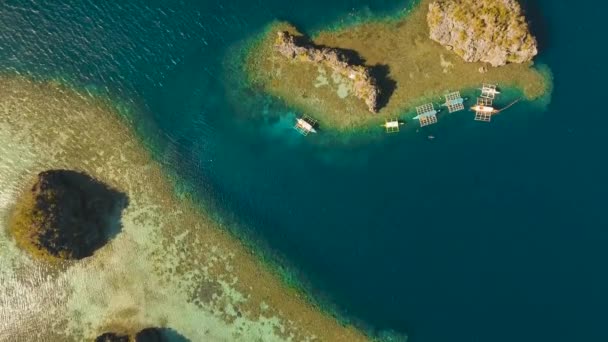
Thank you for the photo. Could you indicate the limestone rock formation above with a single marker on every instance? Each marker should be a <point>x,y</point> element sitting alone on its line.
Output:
<point>491,31</point>
<point>67,215</point>
<point>365,86</point>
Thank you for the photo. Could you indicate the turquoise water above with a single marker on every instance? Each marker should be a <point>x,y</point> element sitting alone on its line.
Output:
<point>486,233</point>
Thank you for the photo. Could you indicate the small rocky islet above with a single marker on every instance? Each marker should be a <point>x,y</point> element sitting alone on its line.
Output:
<point>145,335</point>
<point>66,215</point>
<point>113,337</point>
<point>471,42</point>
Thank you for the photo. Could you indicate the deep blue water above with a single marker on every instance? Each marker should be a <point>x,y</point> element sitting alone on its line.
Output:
<point>488,233</point>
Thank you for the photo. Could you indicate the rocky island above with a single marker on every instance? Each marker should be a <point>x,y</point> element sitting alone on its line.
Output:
<point>490,31</point>
<point>66,215</point>
<point>437,46</point>
<point>364,85</point>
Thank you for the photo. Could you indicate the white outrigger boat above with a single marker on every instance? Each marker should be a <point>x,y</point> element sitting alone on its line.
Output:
<point>305,125</point>
<point>489,91</point>
<point>427,114</point>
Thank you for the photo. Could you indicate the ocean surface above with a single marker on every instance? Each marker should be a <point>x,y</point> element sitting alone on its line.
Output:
<point>488,233</point>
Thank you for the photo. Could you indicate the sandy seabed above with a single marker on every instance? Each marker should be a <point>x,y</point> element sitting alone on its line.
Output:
<point>170,266</point>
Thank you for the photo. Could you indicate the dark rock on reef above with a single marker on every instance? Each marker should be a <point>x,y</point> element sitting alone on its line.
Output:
<point>145,335</point>
<point>67,215</point>
<point>365,86</point>
<point>159,335</point>
<point>113,337</point>
<point>491,31</point>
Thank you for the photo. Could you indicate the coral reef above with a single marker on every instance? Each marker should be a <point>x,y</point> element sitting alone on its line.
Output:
<point>491,31</point>
<point>153,273</point>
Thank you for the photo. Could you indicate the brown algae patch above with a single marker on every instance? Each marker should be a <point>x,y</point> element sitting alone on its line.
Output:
<point>170,266</point>
<point>415,69</point>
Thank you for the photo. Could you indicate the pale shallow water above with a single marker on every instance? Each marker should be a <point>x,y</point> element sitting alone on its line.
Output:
<point>169,266</point>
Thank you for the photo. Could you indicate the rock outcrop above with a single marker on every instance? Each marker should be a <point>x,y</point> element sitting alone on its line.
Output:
<point>67,215</point>
<point>365,86</point>
<point>145,335</point>
<point>491,31</point>
<point>159,335</point>
<point>113,337</point>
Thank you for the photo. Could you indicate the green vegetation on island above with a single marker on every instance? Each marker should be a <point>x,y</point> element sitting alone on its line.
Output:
<point>66,215</point>
<point>408,66</point>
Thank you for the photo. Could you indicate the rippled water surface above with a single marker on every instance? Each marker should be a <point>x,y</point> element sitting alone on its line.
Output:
<point>487,233</point>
